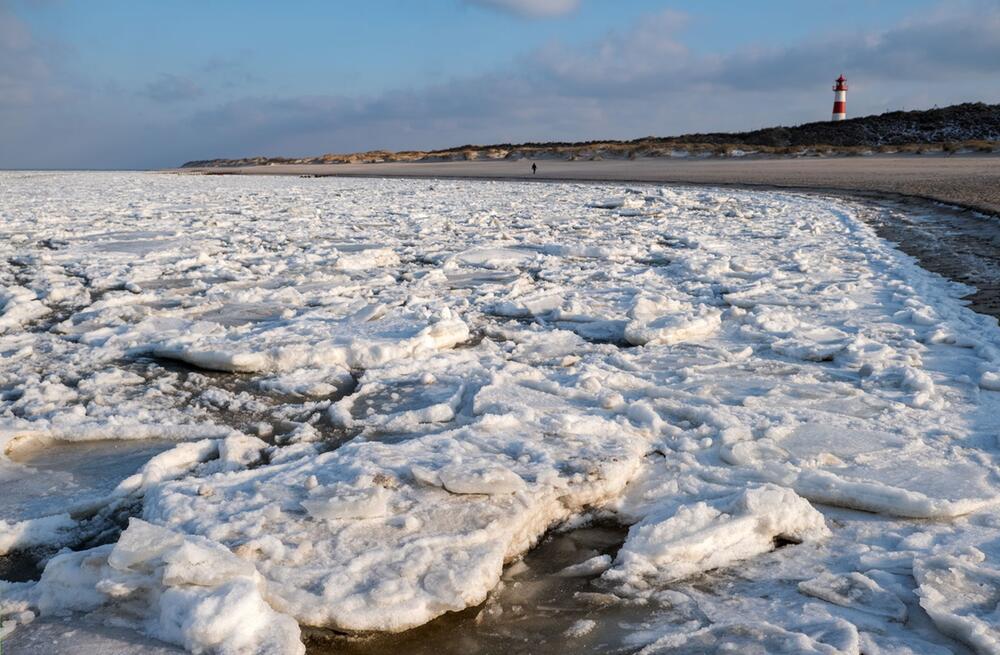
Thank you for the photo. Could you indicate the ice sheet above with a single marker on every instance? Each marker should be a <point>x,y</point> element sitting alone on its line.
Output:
<point>365,398</point>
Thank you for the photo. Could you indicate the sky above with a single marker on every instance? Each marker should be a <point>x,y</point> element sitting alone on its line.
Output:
<point>152,84</point>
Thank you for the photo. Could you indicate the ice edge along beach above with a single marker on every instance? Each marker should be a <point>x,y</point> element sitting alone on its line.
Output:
<point>360,399</point>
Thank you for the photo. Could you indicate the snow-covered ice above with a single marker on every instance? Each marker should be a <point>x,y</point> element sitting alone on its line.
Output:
<point>236,410</point>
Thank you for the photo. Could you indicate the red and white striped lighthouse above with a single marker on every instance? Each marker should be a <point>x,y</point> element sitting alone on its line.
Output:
<point>840,99</point>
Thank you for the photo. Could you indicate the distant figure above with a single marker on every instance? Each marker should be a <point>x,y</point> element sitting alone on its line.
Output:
<point>534,168</point>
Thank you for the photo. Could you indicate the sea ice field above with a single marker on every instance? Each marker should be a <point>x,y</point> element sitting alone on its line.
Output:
<point>270,415</point>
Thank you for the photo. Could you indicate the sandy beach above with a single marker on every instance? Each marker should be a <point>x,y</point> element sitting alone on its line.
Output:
<point>971,181</point>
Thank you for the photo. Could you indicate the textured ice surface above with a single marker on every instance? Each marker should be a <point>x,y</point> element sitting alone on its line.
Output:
<point>349,404</point>
<point>959,587</point>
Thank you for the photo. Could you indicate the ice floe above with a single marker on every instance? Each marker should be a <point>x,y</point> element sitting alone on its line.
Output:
<point>361,400</point>
<point>960,590</point>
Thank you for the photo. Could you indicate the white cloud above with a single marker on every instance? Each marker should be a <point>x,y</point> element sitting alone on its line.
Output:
<point>530,8</point>
<point>648,49</point>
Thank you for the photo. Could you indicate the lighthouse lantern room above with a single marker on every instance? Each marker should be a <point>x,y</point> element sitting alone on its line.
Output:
<point>840,99</point>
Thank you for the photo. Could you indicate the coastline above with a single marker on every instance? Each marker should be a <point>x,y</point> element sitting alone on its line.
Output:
<point>970,181</point>
<point>961,243</point>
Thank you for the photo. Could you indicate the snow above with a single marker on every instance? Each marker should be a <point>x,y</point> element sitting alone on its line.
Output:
<point>350,404</point>
<point>22,535</point>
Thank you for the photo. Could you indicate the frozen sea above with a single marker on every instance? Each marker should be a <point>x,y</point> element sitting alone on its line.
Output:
<point>265,415</point>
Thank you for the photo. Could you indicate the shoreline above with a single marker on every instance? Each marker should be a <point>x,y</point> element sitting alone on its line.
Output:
<point>970,181</point>
<point>962,193</point>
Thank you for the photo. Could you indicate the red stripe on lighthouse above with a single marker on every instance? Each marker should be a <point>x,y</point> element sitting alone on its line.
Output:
<point>840,107</point>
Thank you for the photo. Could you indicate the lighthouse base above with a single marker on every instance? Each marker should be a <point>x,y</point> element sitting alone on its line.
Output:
<point>839,117</point>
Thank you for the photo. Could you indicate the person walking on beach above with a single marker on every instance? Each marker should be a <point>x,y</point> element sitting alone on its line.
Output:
<point>534,168</point>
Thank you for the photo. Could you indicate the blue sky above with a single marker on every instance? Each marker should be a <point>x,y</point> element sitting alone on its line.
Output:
<point>116,83</point>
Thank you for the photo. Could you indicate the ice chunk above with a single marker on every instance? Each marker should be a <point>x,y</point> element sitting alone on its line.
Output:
<point>816,344</point>
<point>186,590</point>
<point>53,530</point>
<point>870,470</point>
<point>367,259</point>
<point>630,201</point>
<point>671,329</point>
<point>494,257</point>
<point>229,619</point>
<point>908,489</point>
<point>535,304</point>
<point>759,638</point>
<point>403,404</point>
<point>336,503</point>
<point>856,591</point>
<point>705,536</point>
<point>170,464</point>
<point>309,383</point>
<point>592,566</point>
<point>481,479</point>
<point>341,343</point>
<point>881,644</point>
<point>961,594</point>
<point>238,451</point>
<point>580,628</point>
<point>19,305</point>
<point>464,502</point>
<point>990,380</point>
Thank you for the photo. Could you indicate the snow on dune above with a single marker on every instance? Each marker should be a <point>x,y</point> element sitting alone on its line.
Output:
<point>384,392</point>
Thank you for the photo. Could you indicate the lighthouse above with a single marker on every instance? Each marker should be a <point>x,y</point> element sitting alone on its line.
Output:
<point>840,99</point>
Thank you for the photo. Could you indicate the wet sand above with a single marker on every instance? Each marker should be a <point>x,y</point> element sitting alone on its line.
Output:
<point>963,246</point>
<point>971,181</point>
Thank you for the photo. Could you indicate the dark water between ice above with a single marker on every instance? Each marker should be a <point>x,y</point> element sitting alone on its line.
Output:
<point>530,612</point>
<point>959,244</point>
